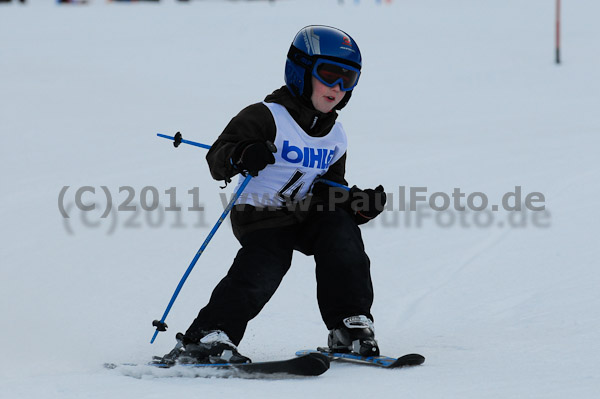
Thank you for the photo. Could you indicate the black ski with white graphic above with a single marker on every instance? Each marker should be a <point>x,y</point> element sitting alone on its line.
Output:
<point>310,364</point>
<point>412,359</point>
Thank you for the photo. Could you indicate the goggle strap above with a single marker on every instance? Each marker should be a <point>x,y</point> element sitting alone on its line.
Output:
<point>300,57</point>
<point>308,61</point>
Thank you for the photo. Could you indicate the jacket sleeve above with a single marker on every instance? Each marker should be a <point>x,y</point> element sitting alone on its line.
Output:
<point>254,123</point>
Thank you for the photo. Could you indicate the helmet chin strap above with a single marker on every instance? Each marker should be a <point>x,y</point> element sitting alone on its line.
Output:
<point>344,101</point>
<point>307,89</point>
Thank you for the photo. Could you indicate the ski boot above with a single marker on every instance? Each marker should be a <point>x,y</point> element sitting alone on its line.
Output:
<point>355,334</point>
<point>214,347</point>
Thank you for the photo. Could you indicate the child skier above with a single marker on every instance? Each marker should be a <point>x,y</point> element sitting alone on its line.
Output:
<point>322,68</point>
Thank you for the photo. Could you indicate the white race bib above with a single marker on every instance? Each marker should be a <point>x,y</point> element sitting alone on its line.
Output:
<point>299,160</point>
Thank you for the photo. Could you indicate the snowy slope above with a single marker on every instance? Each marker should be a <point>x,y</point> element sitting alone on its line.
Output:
<point>460,94</point>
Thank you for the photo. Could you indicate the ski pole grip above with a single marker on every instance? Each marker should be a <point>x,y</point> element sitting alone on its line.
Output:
<point>160,325</point>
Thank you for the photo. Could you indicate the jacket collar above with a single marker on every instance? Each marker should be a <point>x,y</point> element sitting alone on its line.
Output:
<point>313,122</point>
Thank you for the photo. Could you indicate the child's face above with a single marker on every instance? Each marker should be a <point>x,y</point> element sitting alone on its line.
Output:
<point>325,98</point>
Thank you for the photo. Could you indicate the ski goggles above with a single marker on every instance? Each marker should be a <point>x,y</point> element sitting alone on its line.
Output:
<point>331,73</point>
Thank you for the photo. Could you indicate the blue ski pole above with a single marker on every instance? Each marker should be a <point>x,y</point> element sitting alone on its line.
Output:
<point>160,324</point>
<point>178,139</point>
<point>333,184</point>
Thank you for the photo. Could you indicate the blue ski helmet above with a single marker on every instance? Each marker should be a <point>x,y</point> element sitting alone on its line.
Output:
<point>312,47</point>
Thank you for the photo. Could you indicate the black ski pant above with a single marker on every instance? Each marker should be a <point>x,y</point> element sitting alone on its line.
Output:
<point>344,286</point>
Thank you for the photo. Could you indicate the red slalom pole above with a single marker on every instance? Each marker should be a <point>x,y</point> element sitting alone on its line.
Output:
<point>558,31</point>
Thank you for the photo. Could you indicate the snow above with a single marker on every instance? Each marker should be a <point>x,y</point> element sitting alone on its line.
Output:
<point>460,94</point>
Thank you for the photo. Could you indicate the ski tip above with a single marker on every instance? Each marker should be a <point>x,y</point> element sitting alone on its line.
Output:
<point>318,363</point>
<point>412,359</point>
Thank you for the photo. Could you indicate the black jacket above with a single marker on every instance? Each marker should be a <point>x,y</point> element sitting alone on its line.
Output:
<point>255,123</point>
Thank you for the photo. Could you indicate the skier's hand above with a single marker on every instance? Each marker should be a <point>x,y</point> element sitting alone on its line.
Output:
<point>255,157</point>
<point>367,204</point>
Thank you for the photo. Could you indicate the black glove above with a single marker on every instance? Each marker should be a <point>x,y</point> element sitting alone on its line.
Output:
<point>255,157</point>
<point>368,203</point>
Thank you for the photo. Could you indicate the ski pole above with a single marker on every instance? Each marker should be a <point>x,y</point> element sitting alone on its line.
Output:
<point>557,46</point>
<point>178,139</point>
<point>160,325</point>
<point>333,184</point>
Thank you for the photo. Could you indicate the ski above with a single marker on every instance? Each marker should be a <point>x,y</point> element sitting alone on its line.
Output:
<point>308,365</point>
<point>412,359</point>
